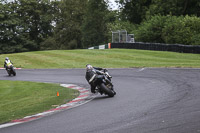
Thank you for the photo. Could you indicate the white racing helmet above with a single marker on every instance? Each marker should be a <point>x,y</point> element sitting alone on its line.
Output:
<point>89,67</point>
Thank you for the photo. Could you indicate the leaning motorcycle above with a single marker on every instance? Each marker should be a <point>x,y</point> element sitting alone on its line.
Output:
<point>104,84</point>
<point>11,70</point>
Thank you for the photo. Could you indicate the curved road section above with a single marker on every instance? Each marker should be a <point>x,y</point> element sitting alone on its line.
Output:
<point>148,100</point>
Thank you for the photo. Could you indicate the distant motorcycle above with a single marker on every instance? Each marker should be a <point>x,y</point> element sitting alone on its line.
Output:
<point>11,69</point>
<point>103,83</point>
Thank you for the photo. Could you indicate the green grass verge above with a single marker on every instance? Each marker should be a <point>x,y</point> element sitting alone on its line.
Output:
<point>109,58</point>
<point>19,99</point>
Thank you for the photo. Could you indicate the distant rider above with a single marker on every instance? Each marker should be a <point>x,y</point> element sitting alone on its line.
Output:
<point>7,62</point>
<point>90,74</point>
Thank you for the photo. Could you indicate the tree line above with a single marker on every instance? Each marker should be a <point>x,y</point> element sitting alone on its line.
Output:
<point>162,21</point>
<point>31,25</point>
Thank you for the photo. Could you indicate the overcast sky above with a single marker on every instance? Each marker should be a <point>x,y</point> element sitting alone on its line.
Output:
<point>113,4</point>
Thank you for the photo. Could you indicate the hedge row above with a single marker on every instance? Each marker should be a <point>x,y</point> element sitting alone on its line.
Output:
<point>170,30</point>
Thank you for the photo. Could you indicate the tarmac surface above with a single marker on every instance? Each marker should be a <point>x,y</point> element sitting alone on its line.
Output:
<point>148,100</point>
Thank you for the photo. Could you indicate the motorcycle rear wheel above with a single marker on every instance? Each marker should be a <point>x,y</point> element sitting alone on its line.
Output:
<point>9,74</point>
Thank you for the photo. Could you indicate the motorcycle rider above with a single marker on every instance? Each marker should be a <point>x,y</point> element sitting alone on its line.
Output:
<point>91,74</point>
<point>6,62</point>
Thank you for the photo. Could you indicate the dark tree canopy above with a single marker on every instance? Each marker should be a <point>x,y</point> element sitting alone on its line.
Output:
<point>29,25</point>
<point>94,27</point>
<point>137,11</point>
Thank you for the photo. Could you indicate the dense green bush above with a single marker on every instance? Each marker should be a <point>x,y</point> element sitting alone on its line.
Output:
<point>170,29</point>
<point>48,44</point>
<point>151,31</point>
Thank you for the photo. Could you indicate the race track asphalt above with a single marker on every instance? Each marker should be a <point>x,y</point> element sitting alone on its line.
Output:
<point>148,100</point>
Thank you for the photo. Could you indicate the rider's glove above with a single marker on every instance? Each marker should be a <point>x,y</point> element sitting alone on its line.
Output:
<point>105,70</point>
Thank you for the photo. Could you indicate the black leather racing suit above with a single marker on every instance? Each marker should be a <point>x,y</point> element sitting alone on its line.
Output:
<point>90,73</point>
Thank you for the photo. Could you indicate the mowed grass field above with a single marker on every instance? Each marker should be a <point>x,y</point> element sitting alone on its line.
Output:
<point>21,98</point>
<point>109,58</point>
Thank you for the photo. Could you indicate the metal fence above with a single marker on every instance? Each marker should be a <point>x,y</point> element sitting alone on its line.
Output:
<point>121,36</point>
<point>159,47</point>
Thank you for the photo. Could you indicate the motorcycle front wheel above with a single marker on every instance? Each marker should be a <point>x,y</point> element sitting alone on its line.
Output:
<point>13,71</point>
<point>107,91</point>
